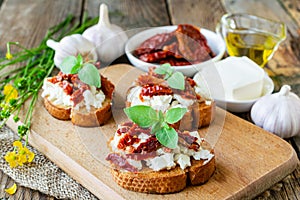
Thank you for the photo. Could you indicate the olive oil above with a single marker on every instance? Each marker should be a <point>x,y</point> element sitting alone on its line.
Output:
<point>257,46</point>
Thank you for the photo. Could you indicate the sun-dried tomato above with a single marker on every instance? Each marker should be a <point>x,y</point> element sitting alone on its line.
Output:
<point>127,140</point>
<point>155,57</point>
<point>67,87</point>
<point>184,46</point>
<point>175,62</point>
<point>155,90</point>
<point>155,43</point>
<point>191,82</point>
<point>192,43</point>
<point>151,144</point>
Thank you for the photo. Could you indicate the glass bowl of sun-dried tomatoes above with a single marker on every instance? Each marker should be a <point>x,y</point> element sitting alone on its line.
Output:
<point>186,47</point>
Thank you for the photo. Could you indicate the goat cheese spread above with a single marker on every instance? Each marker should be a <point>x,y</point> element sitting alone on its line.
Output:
<point>157,102</point>
<point>135,146</point>
<point>61,91</point>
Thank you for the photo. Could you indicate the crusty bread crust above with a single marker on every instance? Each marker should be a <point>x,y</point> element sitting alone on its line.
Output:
<point>59,112</point>
<point>81,117</point>
<point>199,173</point>
<point>207,113</point>
<point>95,117</point>
<point>165,181</point>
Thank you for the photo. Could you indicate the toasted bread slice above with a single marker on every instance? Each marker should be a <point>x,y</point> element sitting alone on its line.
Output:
<point>165,181</point>
<point>83,117</point>
<point>94,117</point>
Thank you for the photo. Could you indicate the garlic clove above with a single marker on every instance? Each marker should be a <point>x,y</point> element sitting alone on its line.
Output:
<point>109,39</point>
<point>73,45</point>
<point>278,113</point>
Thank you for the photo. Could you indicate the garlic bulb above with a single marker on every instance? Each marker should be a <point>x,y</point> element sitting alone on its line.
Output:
<point>278,113</point>
<point>109,39</point>
<point>73,45</point>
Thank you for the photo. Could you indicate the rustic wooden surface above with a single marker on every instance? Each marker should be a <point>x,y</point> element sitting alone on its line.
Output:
<point>17,22</point>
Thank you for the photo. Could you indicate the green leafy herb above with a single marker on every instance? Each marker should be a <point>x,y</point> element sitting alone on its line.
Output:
<point>168,137</point>
<point>165,69</point>
<point>147,117</point>
<point>87,72</point>
<point>175,114</point>
<point>144,116</point>
<point>68,64</point>
<point>175,80</point>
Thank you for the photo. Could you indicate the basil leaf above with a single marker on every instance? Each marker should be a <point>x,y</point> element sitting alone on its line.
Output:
<point>160,116</point>
<point>144,116</point>
<point>79,60</point>
<point>169,71</point>
<point>163,69</point>
<point>75,69</point>
<point>176,81</point>
<point>67,64</point>
<point>155,127</point>
<point>167,137</point>
<point>78,65</point>
<point>89,74</point>
<point>175,114</point>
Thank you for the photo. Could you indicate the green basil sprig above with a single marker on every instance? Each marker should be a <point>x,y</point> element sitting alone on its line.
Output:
<point>174,79</point>
<point>87,72</point>
<point>147,117</point>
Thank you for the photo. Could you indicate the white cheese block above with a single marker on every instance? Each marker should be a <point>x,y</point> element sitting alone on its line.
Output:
<point>242,78</point>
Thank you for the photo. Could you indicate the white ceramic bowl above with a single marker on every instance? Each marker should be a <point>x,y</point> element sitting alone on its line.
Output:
<point>245,105</point>
<point>214,41</point>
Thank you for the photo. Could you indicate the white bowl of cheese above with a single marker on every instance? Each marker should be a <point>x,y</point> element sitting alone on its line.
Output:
<point>235,83</point>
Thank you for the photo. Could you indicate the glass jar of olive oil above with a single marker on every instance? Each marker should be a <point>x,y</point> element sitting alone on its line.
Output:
<point>251,36</point>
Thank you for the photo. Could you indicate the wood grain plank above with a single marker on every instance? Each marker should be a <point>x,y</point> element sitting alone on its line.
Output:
<point>130,14</point>
<point>192,12</point>
<point>24,25</point>
<point>293,8</point>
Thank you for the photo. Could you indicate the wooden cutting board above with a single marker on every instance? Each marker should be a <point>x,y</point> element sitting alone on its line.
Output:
<point>249,160</point>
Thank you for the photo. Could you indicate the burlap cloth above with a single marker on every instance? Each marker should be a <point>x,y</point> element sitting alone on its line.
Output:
<point>42,174</point>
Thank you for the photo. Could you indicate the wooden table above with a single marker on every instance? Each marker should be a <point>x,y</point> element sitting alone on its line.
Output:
<point>26,21</point>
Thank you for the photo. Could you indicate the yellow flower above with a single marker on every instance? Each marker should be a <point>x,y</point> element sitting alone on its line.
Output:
<point>10,92</point>
<point>18,144</point>
<point>24,154</point>
<point>12,159</point>
<point>12,189</point>
<point>19,156</point>
<point>22,158</point>
<point>8,56</point>
<point>30,155</point>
